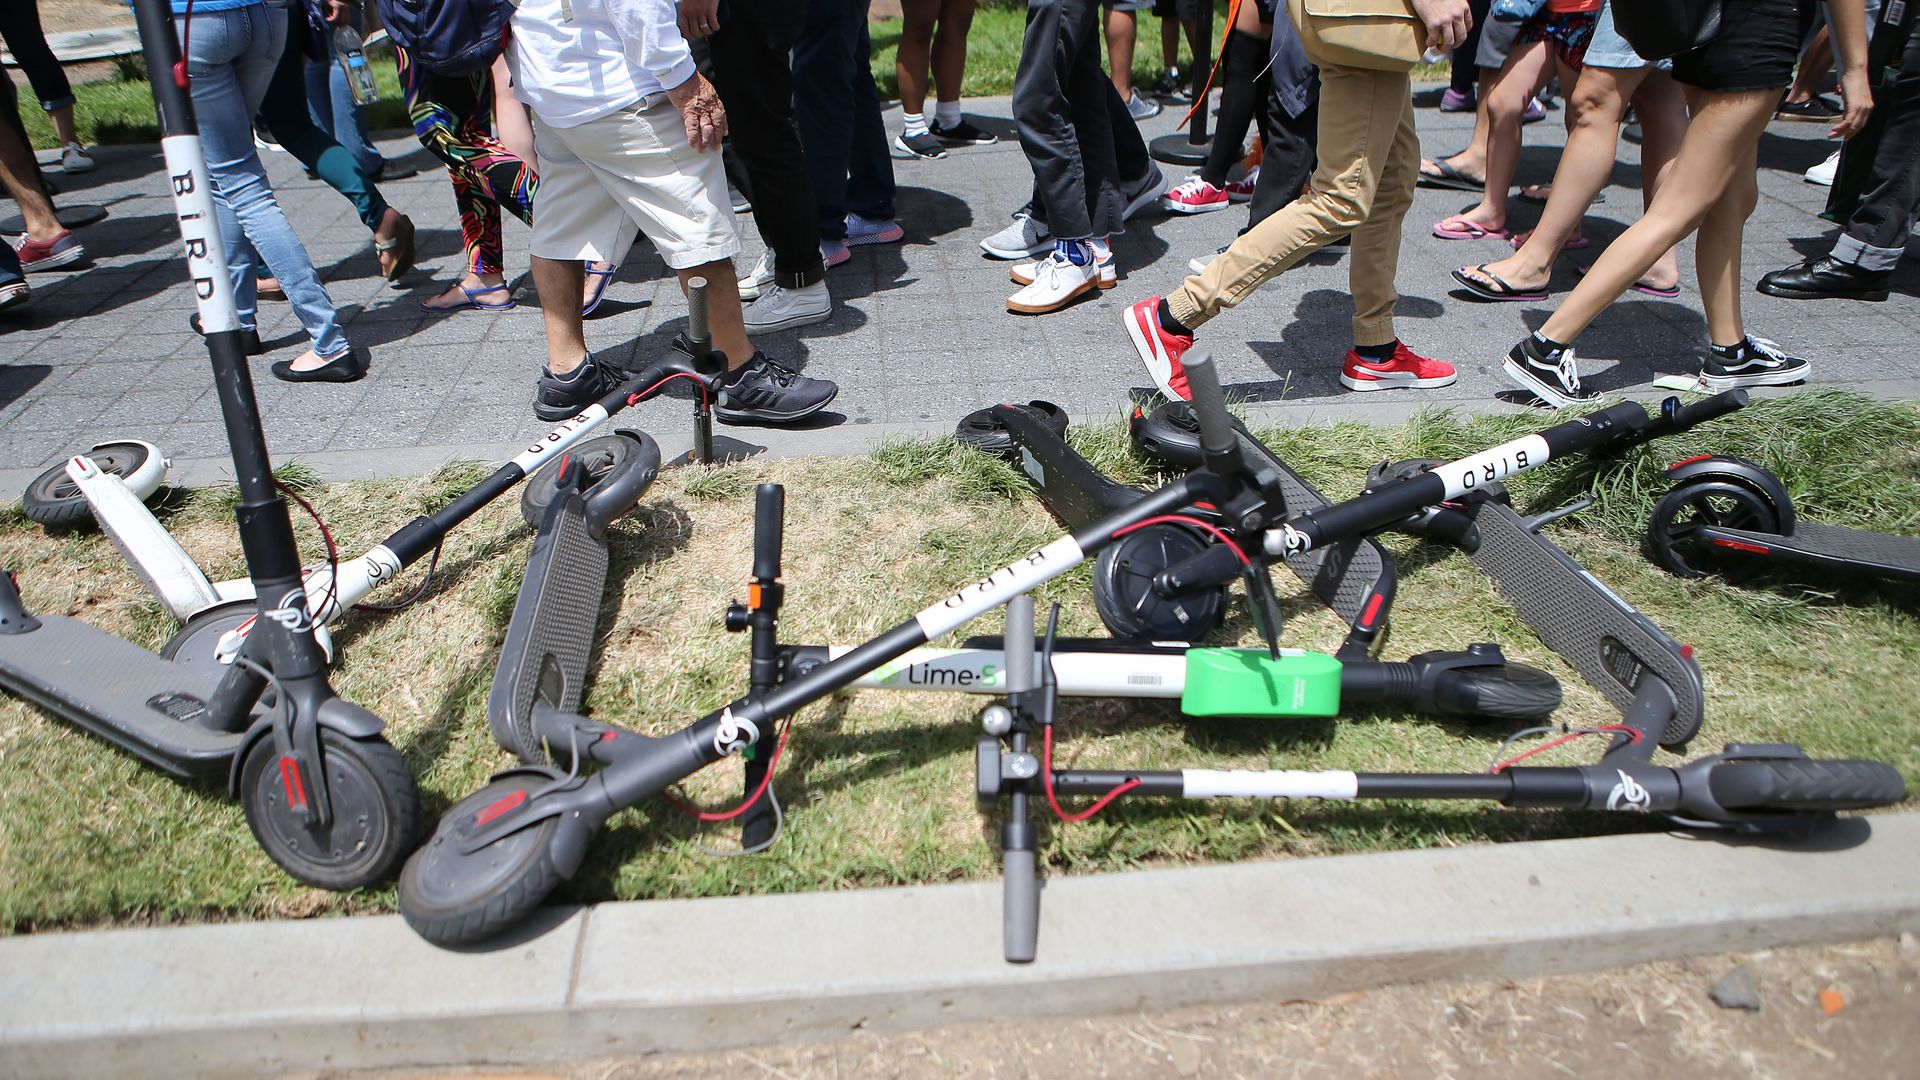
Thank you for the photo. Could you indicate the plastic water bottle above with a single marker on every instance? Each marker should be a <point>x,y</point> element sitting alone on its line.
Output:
<point>353,61</point>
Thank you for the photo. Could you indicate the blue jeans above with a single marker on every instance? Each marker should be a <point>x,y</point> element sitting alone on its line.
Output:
<point>231,58</point>
<point>331,103</point>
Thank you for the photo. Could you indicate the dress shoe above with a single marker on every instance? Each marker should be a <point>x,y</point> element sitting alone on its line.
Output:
<point>1826,278</point>
<point>347,367</point>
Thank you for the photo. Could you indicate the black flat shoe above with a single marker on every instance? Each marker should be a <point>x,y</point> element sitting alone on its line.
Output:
<point>252,343</point>
<point>1827,278</point>
<point>347,367</point>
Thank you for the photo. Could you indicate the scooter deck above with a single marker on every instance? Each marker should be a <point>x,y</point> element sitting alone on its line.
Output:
<point>148,706</point>
<point>550,637</point>
<point>1612,645</point>
<point>1829,546</point>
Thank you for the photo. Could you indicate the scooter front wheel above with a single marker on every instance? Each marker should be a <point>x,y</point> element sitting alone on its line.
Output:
<point>451,897</point>
<point>376,811</point>
<point>55,501</point>
<point>1805,785</point>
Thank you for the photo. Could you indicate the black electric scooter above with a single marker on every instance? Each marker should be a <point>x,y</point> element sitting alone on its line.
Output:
<point>500,851</point>
<point>325,795</point>
<point>1728,515</point>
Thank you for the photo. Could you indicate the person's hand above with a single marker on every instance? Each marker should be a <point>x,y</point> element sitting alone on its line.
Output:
<point>337,12</point>
<point>700,108</point>
<point>698,18</point>
<point>1858,97</point>
<point>1447,21</point>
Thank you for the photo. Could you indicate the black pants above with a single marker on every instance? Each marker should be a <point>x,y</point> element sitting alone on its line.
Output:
<point>1060,102</point>
<point>837,108</point>
<point>20,26</point>
<point>1287,159</point>
<point>1129,153</point>
<point>1466,73</point>
<point>1891,195</point>
<point>752,72</point>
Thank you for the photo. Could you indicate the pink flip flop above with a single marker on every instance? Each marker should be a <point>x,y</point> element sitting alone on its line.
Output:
<point>1459,228</point>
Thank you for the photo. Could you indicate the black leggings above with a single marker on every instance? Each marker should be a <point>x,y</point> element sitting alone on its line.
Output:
<point>20,26</point>
<point>1245,83</point>
<point>1466,73</point>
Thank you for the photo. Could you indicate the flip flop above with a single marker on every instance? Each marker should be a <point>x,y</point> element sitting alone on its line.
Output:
<point>1458,227</point>
<point>473,301</point>
<point>1446,176</point>
<point>1499,291</point>
<point>1641,286</point>
<point>1519,240</point>
<point>1538,193</point>
<point>599,287</point>
<point>400,247</point>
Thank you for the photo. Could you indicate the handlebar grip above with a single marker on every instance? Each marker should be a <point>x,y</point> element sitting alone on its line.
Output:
<point>1676,417</point>
<point>1210,569</point>
<point>1019,644</point>
<point>1209,404</point>
<point>697,311</point>
<point>1020,913</point>
<point>769,512</point>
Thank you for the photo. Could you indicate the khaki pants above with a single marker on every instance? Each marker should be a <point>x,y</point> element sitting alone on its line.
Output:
<point>1369,162</point>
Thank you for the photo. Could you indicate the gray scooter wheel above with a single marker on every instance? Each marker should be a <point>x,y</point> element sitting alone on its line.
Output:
<point>604,457</point>
<point>451,898</point>
<point>55,501</point>
<point>376,811</point>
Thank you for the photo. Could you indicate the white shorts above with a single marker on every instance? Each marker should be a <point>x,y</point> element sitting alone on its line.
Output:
<point>631,170</point>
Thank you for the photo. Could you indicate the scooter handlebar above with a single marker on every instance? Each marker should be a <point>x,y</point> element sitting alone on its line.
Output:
<point>1677,417</point>
<point>1209,405</point>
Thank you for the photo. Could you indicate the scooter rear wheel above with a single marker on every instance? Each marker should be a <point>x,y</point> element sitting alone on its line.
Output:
<point>603,457</point>
<point>1804,785</point>
<point>376,812</point>
<point>1672,538</point>
<point>55,501</point>
<point>1124,595</point>
<point>982,431</point>
<point>455,898</point>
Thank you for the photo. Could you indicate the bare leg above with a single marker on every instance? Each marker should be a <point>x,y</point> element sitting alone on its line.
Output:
<point>911,62</point>
<point>724,320</point>
<point>1506,102</point>
<point>1122,32</point>
<point>1720,143</point>
<point>1716,251</point>
<point>62,120</point>
<point>1249,22</point>
<point>1472,162</point>
<point>455,298</point>
<point>559,282</point>
<point>22,180</point>
<point>1814,66</point>
<point>1662,109</point>
<point>950,49</point>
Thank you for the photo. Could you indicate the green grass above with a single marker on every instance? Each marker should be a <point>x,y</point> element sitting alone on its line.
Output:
<point>878,786</point>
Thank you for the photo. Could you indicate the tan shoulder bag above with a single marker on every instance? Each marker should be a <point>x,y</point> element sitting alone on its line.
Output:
<point>1378,35</point>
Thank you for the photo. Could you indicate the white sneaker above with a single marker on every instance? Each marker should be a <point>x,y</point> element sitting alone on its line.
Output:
<point>75,160</point>
<point>1199,263</point>
<point>759,279</point>
<point>1023,239</point>
<point>780,308</point>
<point>1024,273</point>
<point>1822,173</point>
<point>1057,282</point>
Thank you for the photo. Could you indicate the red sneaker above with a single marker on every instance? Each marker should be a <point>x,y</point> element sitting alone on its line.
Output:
<point>1241,190</point>
<point>47,254</point>
<point>1195,196</point>
<point>1159,350</point>
<point>1404,369</point>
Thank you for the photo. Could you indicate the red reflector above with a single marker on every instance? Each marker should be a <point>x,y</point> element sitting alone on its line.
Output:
<point>1373,610</point>
<point>1740,545</point>
<point>1686,652</point>
<point>1206,506</point>
<point>1688,461</point>
<point>290,782</point>
<point>499,806</point>
<point>608,736</point>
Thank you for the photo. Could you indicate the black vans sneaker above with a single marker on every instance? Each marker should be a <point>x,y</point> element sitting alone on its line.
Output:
<point>1555,381</point>
<point>1753,362</point>
<point>556,398</point>
<point>765,392</point>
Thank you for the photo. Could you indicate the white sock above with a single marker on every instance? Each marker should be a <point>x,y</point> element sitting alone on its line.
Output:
<point>916,123</point>
<point>947,113</point>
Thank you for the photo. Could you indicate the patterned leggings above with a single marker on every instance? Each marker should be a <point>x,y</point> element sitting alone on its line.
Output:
<point>453,118</point>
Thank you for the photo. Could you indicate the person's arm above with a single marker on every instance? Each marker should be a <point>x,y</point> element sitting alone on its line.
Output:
<point>1848,19</point>
<point>1447,21</point>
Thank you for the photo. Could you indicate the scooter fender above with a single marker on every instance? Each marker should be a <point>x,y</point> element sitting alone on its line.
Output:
<point>338,714</point>
<point>1711,467</point>
<point>620,492</point>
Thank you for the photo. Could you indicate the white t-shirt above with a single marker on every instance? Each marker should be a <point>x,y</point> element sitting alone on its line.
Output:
<point>578,60</point>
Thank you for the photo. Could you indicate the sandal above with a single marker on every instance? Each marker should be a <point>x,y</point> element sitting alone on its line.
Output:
<point>400,247</point>
<point>1458,227</point>
<point>599,287</point>
<point>473,301</point>
<point>1444,175</point>
<point>1495,288</point>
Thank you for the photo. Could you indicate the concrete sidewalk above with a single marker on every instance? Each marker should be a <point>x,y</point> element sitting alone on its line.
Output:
<point>921,335</point>
<point>637,978</point>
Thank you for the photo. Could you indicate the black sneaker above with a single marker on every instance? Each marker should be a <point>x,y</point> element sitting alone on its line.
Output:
<point>920,144</point>
<point>559,399</point>
<point>1556,381</point>
<point>767,392</point>
<point>1754,362</point>
<point>1816,108</point>
<point>962,134</point>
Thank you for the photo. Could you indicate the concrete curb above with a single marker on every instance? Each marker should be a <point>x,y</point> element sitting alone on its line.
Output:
<point>634,978</point>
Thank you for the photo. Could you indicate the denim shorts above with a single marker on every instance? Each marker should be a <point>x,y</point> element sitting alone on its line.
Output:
<point>1607,49</point>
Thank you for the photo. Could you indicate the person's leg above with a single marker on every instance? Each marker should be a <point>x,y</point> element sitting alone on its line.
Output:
<point>1043,110</point>
<point>287,118</point>
<point>870,184</point>
<point>1594,109</point>
<point>1719,145</point>
<point>950,53</point>
<point>1375,259</point>
<point>21,176</point>
<point>27,41</point>
<point>453,117</point>
<point>914,60</point>
<point>1815,63</point>
<point>752,74</point>
<point>1286,163</point>
<point>1240,71</point>
<point>331,105</point>
<point>1464,78</point>
<point>1088,92</point>
<point>823,63</point>
<point>1123,30</point>
<point>1504,102</point>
